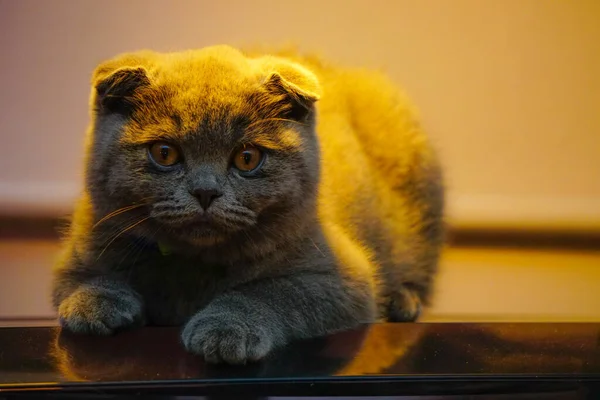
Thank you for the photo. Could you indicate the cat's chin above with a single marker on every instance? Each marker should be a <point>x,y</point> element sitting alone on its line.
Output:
<point>205,241</point>
<point>198,237</point>
<point>198,231</point>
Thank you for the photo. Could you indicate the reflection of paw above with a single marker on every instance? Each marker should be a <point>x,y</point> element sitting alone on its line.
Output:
<point>223,338</point>
<point>99,310</point>
<point>404,306</point>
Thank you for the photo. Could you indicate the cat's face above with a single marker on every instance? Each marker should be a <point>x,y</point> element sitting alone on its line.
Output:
<point>207,142</point>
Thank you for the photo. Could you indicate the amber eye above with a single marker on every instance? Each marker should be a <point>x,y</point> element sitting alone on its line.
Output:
<point>164,154</point>
<point>247,158</point>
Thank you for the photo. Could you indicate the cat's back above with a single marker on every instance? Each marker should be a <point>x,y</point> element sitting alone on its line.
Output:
<point>372,144</point>
<point>381,182</point>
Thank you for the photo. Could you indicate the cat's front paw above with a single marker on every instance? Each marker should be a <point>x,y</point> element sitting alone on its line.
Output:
<point>226,338</point>
<point>100,311</point>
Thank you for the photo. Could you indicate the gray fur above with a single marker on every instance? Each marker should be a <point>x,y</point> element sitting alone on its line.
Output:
<point>261,275</point>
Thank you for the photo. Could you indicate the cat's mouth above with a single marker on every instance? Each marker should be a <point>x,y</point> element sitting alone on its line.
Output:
<point>200,229</point>
<point>186,221</point>
<point>203,228</point>
<point>201,223</point>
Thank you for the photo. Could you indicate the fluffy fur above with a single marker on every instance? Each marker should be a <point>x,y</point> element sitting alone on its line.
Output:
<point>342,224</point>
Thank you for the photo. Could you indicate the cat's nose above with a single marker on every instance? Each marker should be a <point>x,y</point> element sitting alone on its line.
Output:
<point>206,196</point>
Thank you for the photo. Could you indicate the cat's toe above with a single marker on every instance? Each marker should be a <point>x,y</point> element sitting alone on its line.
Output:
<point>404,306</point>
<point>223,340</point>
<point>99,311</point>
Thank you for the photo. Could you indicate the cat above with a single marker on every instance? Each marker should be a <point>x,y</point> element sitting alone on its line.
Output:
<point>254,198</point>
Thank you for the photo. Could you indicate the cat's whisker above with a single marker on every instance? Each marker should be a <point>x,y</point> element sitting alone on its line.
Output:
<point>107,234</point>
<point>317,247</point>
<point>137,243</point>
<point>118,212</point>
<point>151,236</point>
<point>130,250</point>
<point>120,233</point>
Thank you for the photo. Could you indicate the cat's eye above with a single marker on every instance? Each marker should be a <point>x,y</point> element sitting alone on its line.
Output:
<point>164,154</point>
<point>248,158</point>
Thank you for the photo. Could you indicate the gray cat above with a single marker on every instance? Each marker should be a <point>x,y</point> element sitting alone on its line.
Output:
<point>254,199</point>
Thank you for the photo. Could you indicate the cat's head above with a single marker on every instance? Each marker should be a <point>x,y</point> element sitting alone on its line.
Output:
<point>209,143</point>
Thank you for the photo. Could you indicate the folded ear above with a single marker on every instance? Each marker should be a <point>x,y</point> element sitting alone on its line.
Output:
<point>296,88</point>
<point>116,87</point>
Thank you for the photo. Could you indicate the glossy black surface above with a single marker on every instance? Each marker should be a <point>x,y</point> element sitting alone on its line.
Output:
<point>378,360</point>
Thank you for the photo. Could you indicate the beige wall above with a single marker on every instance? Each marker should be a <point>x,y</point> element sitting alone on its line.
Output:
<point>509,89</point>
